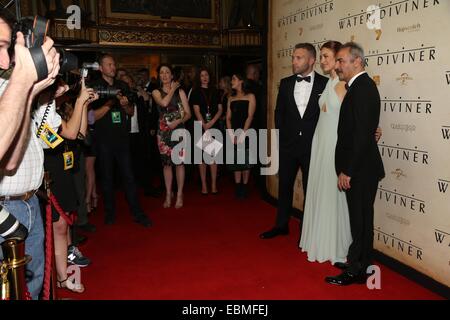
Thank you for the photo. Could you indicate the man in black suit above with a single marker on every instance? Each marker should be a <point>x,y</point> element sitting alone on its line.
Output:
<point>296,115</point>
<point>358,161</point>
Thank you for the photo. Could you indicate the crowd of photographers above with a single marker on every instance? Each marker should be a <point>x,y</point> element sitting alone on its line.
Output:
<point>43,128</point>
<point>51,135</point>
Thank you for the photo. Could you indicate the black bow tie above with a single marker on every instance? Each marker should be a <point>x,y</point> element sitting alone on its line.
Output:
<point>307,79</point>
<point>347,86</point>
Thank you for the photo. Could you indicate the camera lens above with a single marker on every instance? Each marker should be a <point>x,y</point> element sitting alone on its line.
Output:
<point>67,61</point>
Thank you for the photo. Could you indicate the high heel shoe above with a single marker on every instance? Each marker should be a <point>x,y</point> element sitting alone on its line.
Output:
<point>168,202</point>
<point>69,285</point>
<point>179,203</point>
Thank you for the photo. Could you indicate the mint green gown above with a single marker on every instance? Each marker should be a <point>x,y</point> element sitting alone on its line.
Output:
<point>326,232</point>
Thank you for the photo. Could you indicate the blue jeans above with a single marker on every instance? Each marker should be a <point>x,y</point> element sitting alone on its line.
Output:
<point>29,214</point>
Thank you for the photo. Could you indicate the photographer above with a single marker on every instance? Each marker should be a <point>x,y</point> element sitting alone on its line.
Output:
<point>62,163</point>
<point>139,129</point>
<point>22,156</point>
<point>14,105</point>
<point>113,142</point>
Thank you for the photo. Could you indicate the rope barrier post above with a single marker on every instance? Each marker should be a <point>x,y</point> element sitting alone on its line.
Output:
<point>50,270</point>
<point>50,277</point>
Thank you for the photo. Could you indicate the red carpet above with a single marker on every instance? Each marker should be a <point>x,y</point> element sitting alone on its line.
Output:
<point>210,250</point>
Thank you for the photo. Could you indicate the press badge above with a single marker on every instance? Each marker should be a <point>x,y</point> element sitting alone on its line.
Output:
<point>116,117</point>
<point>68,160</point>
<point>50,137</point>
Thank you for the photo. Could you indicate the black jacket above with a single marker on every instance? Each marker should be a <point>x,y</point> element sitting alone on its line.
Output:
<point>357,153</point>
<point>295,130</point>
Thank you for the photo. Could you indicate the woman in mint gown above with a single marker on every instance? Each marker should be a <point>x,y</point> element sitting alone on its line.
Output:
<point>326,232</point>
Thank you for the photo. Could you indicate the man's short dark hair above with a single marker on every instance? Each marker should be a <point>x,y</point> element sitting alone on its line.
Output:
<point>7,17</point>
<point>103,56</point>
<point>308,47</point>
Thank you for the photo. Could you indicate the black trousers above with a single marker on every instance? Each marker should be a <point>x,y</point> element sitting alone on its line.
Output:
<point>119,153</point>
<point>290,162</point>
<point>140,145</point>
<point>360,199</point>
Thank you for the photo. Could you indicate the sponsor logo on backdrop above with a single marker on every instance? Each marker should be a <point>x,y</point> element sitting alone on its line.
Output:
<point>413,28</point>
<point>403,127</point>
<point>410,106</point>
<point>398,200</point>
<point>443,185</point>
<point>446,132</point>
<point>412,156</point>
<point>398,219</point>
<point>404,78</point>
<point>399,174</point>
<point>394,242</point>
<point>307,13</point>
<point>447,77</point>
<point>316,27</point>
<point>442,237</point>
<point>377,80</point>
<point>387,10</point>
<point>401,56</point>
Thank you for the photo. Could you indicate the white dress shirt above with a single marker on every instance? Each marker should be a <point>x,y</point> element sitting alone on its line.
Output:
<point>302,93</point>
<point>134,121</point>
<point>29,174</point>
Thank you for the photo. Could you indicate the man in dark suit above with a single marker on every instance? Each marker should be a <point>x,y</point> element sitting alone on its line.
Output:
<point>296,115</point>
<point>358,161</point>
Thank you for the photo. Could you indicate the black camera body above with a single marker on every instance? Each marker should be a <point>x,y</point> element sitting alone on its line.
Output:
<point>110,92</point>
<point>34,31</point>
<point>106,92</point>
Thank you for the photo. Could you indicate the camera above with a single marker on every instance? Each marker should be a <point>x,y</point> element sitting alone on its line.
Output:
<point>34,31</point>
<point>106,92</point>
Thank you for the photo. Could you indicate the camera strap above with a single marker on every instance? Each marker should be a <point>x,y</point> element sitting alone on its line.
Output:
<point>39,32</point>
<point>39,62</point>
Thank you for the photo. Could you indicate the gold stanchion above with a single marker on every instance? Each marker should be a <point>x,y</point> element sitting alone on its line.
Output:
<point>5,293</point>
<point>15,259</point>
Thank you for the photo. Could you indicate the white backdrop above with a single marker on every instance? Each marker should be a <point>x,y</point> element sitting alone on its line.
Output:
<point>408,55</point>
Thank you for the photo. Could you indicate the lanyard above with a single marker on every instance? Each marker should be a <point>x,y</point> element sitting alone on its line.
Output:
<point>207,99</point>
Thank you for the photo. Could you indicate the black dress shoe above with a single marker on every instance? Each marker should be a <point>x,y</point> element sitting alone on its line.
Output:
<point>346,278</point>
<point>109,221</point>
<point>143,220</point>
<point>274,233</point>
<point>341,265</point>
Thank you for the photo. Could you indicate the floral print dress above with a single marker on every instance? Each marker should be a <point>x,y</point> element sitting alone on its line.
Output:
<point>165,144</point>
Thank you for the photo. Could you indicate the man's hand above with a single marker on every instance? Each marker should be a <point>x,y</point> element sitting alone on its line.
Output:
<point>25,69</point>
<point>378,134</point>
<point>144,94</point>
<point>123,100</point>
<point>344,182</point>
